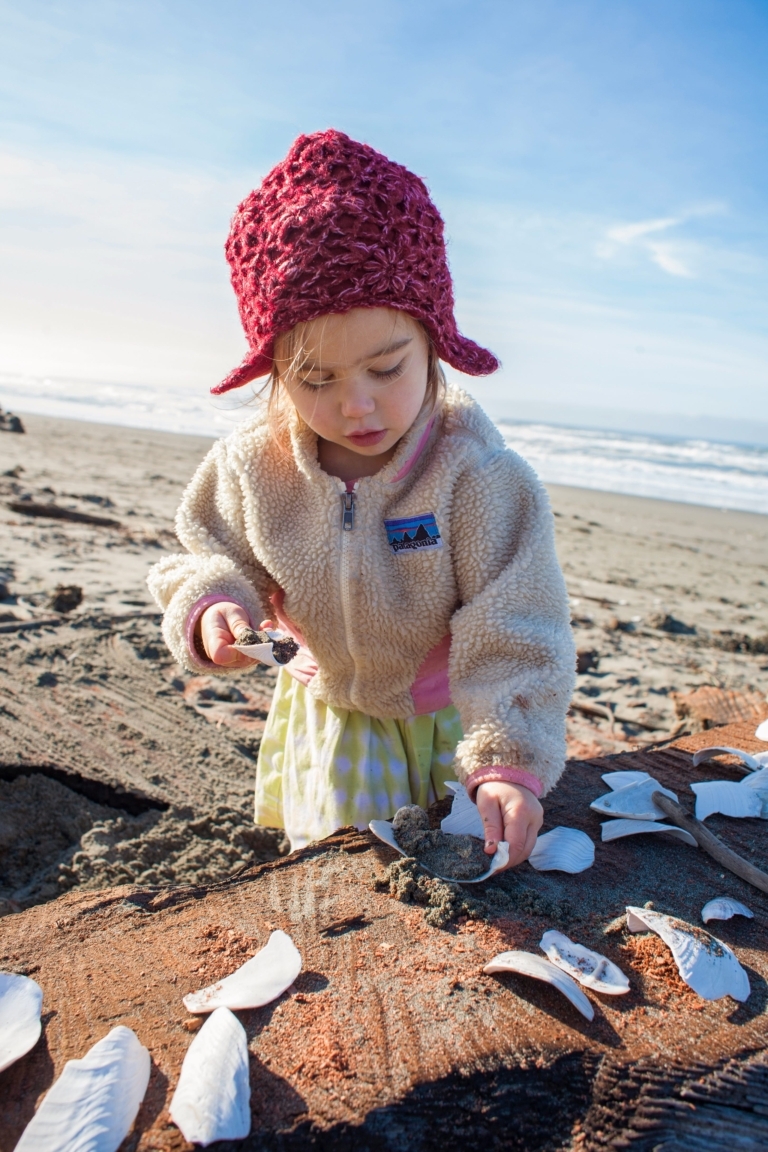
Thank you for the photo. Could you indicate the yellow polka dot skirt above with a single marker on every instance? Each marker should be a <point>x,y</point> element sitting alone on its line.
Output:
<point>321,768</point>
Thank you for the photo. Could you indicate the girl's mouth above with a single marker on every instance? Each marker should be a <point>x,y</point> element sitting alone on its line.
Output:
<point>367,439</point>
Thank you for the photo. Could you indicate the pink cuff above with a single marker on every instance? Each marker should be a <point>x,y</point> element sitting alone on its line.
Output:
<point>505,775</point>
<point>195,613</point>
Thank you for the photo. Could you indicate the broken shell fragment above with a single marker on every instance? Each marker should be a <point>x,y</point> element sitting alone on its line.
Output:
<point>382,829</point>
<point>589,968</point>
<point>20,1002</point>
<point>616,780</point>
<point>727,798</point>
<point>212,1098</point>
<point>704,963</point>
<point>93,1104</point>
<point>261,979</point>
<point>761,732</point>
<point>723,908</point>
<point>751,761</point>
<point>463,818</point>
<point>633,802</point>
<point>275,648</point>
<point>758,782</point>
<point>562,850</point>
<point>527,964</point>
<point>616,829</point>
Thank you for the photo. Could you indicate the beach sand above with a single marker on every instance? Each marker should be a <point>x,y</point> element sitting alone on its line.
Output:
<point>116,766</point>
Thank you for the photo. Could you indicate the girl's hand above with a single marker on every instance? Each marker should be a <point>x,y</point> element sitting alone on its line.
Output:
<point>218,627</point>
<point>509,812</point>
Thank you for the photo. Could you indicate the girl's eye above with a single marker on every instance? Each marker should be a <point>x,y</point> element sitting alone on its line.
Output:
<point>390,373</point>
<point>312,385</point>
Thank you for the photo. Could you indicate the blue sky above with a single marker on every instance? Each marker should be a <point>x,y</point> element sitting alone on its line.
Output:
<point>602,169</point>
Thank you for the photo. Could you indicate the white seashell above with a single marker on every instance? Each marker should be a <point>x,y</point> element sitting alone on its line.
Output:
<point>761,732</point>
<point>753,761</point>
<point>213,1095</point>
<point>588,967</point>
<point>723,908</point>
<point>94,1102</point>
<point>383,830</point>
<point>20,1002</point>
<point>758,781</point>
<point>616,780</point>
<point>529,965</point>
<point>562,850</point>
<point>463,818</point>
<point>261,979</point>
<point>727,798</point>
<point>615,829</point>
<point>263,652</point>
<point>706,964</point>
<point>633,802</point>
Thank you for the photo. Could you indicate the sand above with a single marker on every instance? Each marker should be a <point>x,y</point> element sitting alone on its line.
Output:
<point>116,765</point>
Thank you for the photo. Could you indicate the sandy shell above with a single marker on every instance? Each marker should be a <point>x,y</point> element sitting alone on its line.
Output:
<point>615,829</point>
<point>382,829</point>
<point>616,780</point>
<point>527,964</point>
<point>94,1102</point>
<point>753,761</point>
<point>212,1098</point>
<point>562,850</point>
<point>705,964</point>
<point>723,908</point>
<point>589,968</point>
<point>633,802</point>
<point>761,732</point>
<point>20,1002</point>
<point>261,979</point>
<point>727,798</point>
<point>263,652</point>
<point>463,818</point>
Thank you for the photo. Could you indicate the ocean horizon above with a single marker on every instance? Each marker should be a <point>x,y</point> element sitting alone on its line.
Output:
<point>689,470</point>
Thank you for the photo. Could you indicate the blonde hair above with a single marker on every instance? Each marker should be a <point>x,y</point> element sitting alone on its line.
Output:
<point>289,354</point>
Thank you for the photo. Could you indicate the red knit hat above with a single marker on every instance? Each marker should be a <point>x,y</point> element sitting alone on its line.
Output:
<point>338,226</point>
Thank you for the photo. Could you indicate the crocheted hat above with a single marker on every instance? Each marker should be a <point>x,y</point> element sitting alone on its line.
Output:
<point>338,226</point>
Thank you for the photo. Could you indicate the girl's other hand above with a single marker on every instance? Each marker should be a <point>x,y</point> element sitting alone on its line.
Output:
<point>218,627</point>
<point>509,812</point>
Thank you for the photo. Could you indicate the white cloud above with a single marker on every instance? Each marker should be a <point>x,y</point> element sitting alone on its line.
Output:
<point>664,257</point>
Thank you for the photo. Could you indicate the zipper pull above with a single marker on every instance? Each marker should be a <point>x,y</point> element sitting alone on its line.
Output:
<point>347,511</point>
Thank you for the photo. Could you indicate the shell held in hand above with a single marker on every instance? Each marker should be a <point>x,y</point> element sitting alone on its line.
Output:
<point>382,830</point>
<point>562,850</point>
<point>20,1002</point>
<point>633,802</point>
<point>723,908</point>
<point>260,980</point>
<point>704,963</point>
<point>463,818</point>
<point>590,968</point>
<point>527,964</point>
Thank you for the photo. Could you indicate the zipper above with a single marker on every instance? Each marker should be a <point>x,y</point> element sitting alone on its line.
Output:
<point>348,500</point>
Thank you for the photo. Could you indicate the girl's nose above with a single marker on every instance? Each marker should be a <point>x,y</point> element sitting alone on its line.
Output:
<point>356,400</point>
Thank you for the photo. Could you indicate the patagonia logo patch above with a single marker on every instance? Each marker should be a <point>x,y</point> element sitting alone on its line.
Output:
<point>413,533</point>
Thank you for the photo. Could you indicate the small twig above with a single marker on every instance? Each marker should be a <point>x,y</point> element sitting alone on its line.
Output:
<point>711,844</point>
<point>55,512</point>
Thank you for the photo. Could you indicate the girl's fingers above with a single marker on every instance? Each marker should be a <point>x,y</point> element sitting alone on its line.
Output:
<point>493,826</point>
<point>218,627</point>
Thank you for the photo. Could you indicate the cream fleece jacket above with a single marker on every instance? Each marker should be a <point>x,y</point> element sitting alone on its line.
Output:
<point>257,517</point>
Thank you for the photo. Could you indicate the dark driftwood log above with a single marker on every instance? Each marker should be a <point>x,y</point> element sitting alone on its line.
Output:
<point>54,512</point>
<point>716,849</point>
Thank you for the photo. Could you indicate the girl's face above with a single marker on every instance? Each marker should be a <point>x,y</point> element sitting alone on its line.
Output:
<point>359,383</point>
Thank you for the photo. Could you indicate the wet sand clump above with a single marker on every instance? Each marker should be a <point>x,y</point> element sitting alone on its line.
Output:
<point>458,857</point>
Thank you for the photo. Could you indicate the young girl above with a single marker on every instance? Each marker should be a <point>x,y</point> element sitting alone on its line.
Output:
<point>375,514</point>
